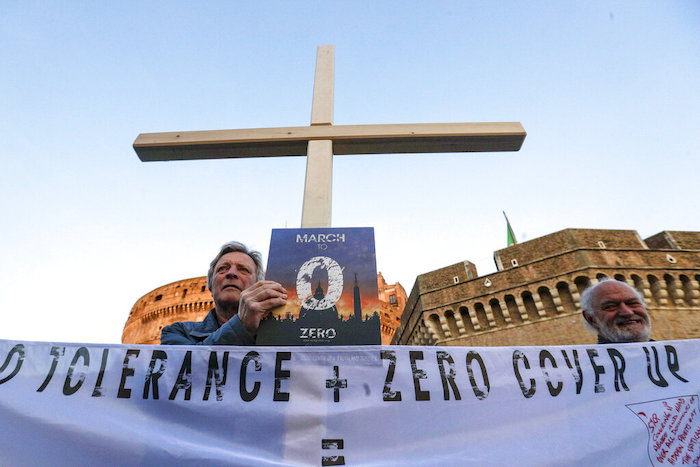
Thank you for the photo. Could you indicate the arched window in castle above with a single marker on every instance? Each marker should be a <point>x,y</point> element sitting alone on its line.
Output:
<point>600,276</point>
<point>655,287</point>
<point>435,326</point>
<point>638,283</point>
<point>158,297</point>
<point>466,319</point>
<point>547,301</point>
<point>567,300</point>
<point>671,289</point>
<point>512,308</point>
<point>426,337</point>
<point>451,323</point>
<point>497,312</point>
<point>392,299</point>
<point>204,287</point>
<point>620,277</point>
<point>184,293</point>
<point>530,307</point>
<point>582,283</point>
<point>687,286</point>
<point>481,316</point>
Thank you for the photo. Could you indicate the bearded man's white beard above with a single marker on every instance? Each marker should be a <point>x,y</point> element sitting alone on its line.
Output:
<point>621,335</point>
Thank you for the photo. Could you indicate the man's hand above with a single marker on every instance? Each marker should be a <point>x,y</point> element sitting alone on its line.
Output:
<point>257,301</point>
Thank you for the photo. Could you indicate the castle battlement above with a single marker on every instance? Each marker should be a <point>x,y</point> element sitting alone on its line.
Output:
<point>534,297</point>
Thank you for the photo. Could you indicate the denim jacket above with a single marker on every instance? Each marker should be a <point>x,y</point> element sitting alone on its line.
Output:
<point>207,332</point>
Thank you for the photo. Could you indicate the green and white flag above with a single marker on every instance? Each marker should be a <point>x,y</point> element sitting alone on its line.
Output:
<point>511,234</point>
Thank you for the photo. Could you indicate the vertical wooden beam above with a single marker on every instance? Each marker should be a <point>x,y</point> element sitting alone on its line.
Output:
<point>317,187</point>
<point>316,211</point>
<point>324,86</point>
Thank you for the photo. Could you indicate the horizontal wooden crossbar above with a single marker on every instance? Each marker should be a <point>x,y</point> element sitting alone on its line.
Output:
<point>347,139</point>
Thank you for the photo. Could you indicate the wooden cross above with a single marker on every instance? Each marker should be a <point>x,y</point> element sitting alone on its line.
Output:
<point>322,139</point>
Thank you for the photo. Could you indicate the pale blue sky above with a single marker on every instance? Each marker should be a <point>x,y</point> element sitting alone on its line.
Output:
<point>607,91</point>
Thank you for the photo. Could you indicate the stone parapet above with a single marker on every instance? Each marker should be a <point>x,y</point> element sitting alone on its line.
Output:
<point>526,304</point>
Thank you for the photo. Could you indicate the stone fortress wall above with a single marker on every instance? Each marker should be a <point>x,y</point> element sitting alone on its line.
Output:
<point>534,297</point>
<point>185,300</point>
<point>190,300</point>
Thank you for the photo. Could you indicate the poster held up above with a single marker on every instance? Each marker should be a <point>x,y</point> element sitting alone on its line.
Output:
<point>331,279</point>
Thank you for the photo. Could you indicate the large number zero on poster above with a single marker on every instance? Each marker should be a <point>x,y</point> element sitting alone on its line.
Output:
<point>304,285</point>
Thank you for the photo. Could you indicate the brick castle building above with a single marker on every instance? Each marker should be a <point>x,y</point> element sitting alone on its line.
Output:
<point>190,300</point>
<point>533,298</point>
<point>392,300</point>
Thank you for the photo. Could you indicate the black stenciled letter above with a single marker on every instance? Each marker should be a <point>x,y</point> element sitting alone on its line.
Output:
<point>219,377</point>
<point>527,392</point>
<point>97,391</point>
<point>661,381</point>
<point>478,392</point>
<point>619,366</point>
<point>418,375</point>
<point>553,390</point>
<point>388,394</point>
<point>246,395</point>
<point>125,393</point>
<point>597,369</point>
<point>280,375</point>
<point>184,378</point>
<point>56,352</point>
<point>152,374</point>
<point>448,378</point>
<point>67,388</point>
<point>578,375</point>
<point>19,350</point>
<point>672,359</point>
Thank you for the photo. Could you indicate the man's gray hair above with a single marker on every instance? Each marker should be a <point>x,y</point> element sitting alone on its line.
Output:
<point>233,247</point>
<point>587,298</point>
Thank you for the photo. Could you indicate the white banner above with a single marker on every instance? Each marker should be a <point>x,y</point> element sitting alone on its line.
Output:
<point>86,404</point>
